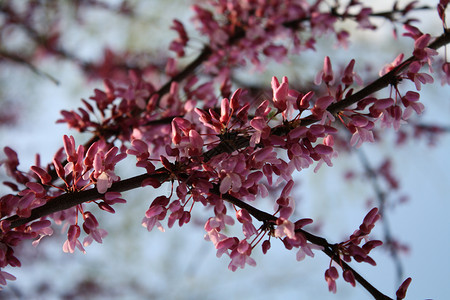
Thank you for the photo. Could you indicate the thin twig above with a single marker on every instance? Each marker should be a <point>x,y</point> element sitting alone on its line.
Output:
<point>20,60</point>
<point>381,197</point>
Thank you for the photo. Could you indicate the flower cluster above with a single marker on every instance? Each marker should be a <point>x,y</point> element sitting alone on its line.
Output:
<point>217,153</point>
<point>37,188</point>
<point>83,169</point>
<point>251,28</point>
<point>352,249</point>
<point>391,111</point>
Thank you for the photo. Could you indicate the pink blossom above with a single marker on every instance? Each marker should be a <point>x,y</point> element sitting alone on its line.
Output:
<point>278,52</point>
<point>177,213</point>
<point>216,237</point>
<point>397,61</point>
<point>234,100</point>
<point>210,27</point>
<point>361,135</point>
<point>103,182</point>
<point>416,77</point>
<point>90,222</point>
<point>349,277</point>
<point>113,198</point>
<point>324,152</point>
<point>299,156</point>
<point>232,172</point>
<point>298,132</point>
<point>176,133</point>
<point>280,93</point>
<point>241,256</point>
<point>247,226</point>
<point>90,155</point>
<point>265,246</point>
<point>207,120</point>
<point>370,219</point>
<point>149,223</point>
<point>401,292</point>
<point>370,245</point>
<point>195,141</point>
<point>441,10</point>
<point>331,275</point>
<point>284,228</point>
<point>69,147</point>
<point>412,31</point>
<point>225,111</point>
<point>157,211</point>
<point>72,241</point>
<point>179,43</point>
<point>262,130</point>
<point>104,165</point>
<point>306,249</point>
<point>40,228</point>
<point>326,74</point>
<point>380,106</point>
<point>321,106</point>
<point>103,99</point>
<point>5,276</point>
<point>263,109</point>
<point>90,226</point>
<point>171,67</point>
<point>323,149</point>
<point>366,227</point>
<point>25,204</point>
<point>218,222</point>
<point>361,127</point>
<point>301,253</point>
<point>139,149</point>
<point>43,175</point>
<point>363,18</point>
<point>302,103</point>
<point>11,162</point>
<point>342,37</point>
<point>421,51</point>
<point>322,22</point>
<point>227,243</point>
<point>350,75</point>
<point>410,101</point>
<point>446,70</point>
<point>287,189</point>
<point>264,155</point>
<point>392,117</point>
<point>97,235</point>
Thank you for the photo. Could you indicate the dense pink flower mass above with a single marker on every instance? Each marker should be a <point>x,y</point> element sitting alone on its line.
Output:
<point>219,146</point>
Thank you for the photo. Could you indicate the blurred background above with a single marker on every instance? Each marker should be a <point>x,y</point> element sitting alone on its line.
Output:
<point>133,263</point>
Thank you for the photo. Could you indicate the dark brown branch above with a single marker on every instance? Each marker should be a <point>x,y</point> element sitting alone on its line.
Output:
<point>334,108</point>
<point>328,248</point>
<point>241,142</point>
<point>69,200</point>
<point>258,214</point>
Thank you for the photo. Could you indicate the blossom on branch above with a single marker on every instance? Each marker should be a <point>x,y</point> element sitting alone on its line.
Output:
<point>216,148</point>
